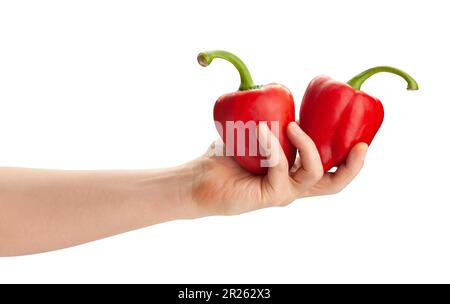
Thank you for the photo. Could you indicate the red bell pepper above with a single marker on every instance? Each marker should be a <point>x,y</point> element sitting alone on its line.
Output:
<point>337,115</point>
<point>244,109</point>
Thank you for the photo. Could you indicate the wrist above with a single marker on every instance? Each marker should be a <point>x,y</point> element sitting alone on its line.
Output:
<point>181,180</point>
<point>166,193</point>
<point>190,188</point>
<point>189,180</point>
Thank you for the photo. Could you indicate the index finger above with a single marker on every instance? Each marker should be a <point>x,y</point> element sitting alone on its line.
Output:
<point>311,169</point>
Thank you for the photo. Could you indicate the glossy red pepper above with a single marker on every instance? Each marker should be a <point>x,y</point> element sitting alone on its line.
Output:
<point>247,107</point>
<point>337,115</point>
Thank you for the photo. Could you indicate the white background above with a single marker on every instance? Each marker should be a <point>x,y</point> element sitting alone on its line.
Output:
<point>115,84</point>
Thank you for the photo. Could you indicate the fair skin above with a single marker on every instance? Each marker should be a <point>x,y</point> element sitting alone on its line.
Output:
<point>43,210</point>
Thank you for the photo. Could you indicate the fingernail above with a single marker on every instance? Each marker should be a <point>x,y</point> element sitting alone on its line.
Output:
<point>365,154</point>
<point>263,127</point>
<point>364,147</point>
<point>263,140</point>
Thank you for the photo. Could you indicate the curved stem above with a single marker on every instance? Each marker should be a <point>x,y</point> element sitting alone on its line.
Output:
<point>205,58</point>
<point>358,80</point>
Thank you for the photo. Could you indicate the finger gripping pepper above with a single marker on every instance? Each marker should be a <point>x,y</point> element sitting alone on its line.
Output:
<point>272,103</point>
<point>337,115</point>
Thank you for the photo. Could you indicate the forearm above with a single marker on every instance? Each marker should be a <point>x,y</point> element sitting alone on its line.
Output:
<point>43,210</point>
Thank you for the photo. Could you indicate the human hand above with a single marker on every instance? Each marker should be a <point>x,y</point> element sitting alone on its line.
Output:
<point>222,187</point>
<point>43,210</point>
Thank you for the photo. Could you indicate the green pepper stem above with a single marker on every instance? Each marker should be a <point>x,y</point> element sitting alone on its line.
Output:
<point>205,58</point>
<point>358,80</point>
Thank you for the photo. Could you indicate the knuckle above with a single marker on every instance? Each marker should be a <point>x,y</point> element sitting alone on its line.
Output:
<point>336,189</point>
<point>316,174</point>
<point>213,145</point>
<point>283,203</point>
<point>282,166</point>
<point>282,200</point>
